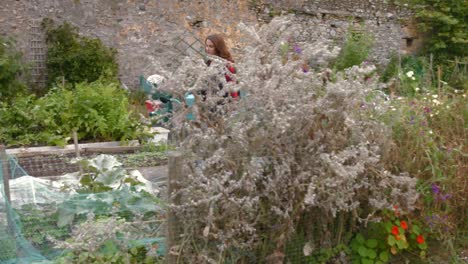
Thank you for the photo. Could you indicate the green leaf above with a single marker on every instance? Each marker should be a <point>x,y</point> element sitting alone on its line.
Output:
<point>360,239</point>
<point>362,251</point>
<point>388,227</point>
<point>416,230</point>
<point>367,261</point>
<point>401,244</point>
<point>384,256</point>
<point>109,248</point>
<point>372,243</point>
<point>391,240</point>
<point>355,245</point>
<point>371,254</point>
<point>423,245</point>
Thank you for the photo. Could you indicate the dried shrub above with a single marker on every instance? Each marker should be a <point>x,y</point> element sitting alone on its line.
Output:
<point>294,154</point>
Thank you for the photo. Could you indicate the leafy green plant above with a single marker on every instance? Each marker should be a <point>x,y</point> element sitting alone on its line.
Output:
<point>8,248</point>
<point>355,50</point>
<point>40,223</point>
<point>103,173</point>
<point>97,111</point>
<point>10,69</point>
<point>107,240</point>
<point>105,189</point>
<point>368,250</point>
<point>393,235</point>
<point>76,58</point>
<point>445,22</point>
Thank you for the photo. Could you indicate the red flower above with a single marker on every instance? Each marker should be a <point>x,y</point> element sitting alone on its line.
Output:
<point>395,230</point>
<point>420,239</point>
<point>404,225</point>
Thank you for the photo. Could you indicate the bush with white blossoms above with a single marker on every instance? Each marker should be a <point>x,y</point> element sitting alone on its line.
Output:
<point>293,154</point>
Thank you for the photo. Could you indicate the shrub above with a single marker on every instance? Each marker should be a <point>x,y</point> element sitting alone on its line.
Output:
<point>98,111</point>
<point>355,49</point>
<point>11,67</point>
<point>295,149</point>
<point>76,58</point>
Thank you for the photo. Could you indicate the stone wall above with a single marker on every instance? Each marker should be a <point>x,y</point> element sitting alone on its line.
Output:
<point>144,32</point>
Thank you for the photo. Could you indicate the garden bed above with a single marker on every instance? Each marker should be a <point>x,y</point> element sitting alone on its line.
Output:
<point>53,161</point>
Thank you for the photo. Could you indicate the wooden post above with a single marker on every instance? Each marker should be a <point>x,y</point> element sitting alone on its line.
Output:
<point>6,172</point>
<point>6,187</point>
<point>75,141</point>
<point>173,226</point>
<point>77,149</point>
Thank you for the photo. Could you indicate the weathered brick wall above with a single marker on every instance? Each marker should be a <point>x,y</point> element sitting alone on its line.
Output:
<point>144,31</point>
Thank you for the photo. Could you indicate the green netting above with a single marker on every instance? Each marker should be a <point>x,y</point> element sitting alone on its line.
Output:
<point>14,247</point>
<point>109,215</point>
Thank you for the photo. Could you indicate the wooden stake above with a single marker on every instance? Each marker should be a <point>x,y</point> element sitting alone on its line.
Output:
<point>173,225</point>
<point>6,186</point>
<point>6,172</point>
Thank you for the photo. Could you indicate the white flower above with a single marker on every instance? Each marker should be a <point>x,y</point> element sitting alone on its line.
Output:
<point>412,78</point>
<point>410,74</point>
<point>416,89</point>
<point>435,96</point>
<point>430,131</point>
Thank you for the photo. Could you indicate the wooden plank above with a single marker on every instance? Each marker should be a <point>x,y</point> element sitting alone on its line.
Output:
<point>112,146</point>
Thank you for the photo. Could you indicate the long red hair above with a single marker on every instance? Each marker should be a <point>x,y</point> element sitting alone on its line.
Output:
<point>220,46</point>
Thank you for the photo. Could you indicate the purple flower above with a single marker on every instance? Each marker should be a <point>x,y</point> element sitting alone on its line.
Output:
<point>427,110</point>
<point>445,197</point>
<point>435,188</point>
<point>297,49</point>
<point>412,120</point>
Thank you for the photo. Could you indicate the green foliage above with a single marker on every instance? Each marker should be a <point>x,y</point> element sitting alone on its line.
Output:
<point>355,50</point>
<point>76,58</point>
<point>106,240</point>
<point>103,173</point>
<point>11,68</point>
<point>39,224</point>
<point>98,111</point>
<point>446,24</point>
<point>391,236</point>
<point>116,191</point>
<point>8,248</point>
<point>110,252</point>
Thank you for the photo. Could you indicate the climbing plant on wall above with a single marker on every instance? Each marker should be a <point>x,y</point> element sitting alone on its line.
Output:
<point>76,58</point>
<point>446,25</point>
<point>10,69</point>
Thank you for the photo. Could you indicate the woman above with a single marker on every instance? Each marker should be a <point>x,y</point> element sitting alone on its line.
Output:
<point>215,45</point>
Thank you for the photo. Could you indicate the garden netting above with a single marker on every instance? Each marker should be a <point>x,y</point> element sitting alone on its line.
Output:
<point>103,213</point>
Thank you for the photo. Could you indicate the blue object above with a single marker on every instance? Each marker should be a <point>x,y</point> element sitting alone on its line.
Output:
<point>190,101</point>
